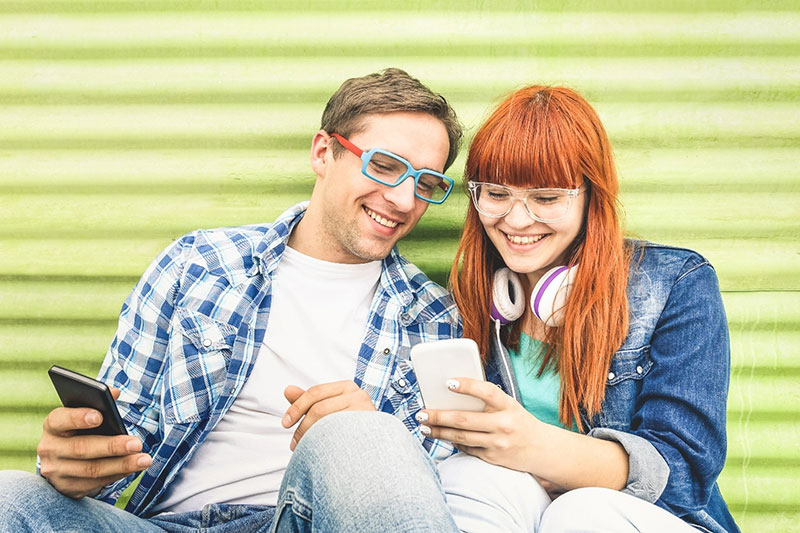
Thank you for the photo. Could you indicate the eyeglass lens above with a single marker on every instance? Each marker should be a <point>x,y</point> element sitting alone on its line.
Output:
<point>545,204</point>
<point>389,170</point>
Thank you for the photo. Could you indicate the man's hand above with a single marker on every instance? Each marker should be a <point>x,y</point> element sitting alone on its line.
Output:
<point>321,400</point>
<point>80,465</point>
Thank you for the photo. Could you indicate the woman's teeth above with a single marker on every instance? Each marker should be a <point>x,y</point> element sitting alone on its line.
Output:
<point>380,220</point>
<point>516,239</point>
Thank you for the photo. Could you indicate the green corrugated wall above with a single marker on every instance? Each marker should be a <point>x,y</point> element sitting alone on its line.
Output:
<point>124,124</point>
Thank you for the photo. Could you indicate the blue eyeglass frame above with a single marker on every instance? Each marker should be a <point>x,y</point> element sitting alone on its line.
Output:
<point>410,170</point>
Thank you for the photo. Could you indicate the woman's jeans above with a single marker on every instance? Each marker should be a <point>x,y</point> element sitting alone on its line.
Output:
<point>353,471</point>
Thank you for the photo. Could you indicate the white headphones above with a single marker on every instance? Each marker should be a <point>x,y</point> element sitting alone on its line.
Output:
<point>548,298</point>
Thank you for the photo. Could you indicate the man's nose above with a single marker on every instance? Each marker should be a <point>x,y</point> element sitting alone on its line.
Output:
<point>402,196</point>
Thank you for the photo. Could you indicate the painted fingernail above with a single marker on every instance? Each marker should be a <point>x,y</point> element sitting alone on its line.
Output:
<point>422,417</point>
<point>425,430</point>
<point>144,461</point>
<point>452,384</point>
<point>92,418</point>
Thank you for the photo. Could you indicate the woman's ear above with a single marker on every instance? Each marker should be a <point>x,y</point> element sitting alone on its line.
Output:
<point>320,147</point>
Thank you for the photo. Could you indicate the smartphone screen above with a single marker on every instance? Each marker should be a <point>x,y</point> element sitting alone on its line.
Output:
<point>77,390</point>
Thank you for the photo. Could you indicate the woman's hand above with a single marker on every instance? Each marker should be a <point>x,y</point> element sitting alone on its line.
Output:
<point>504,433</point>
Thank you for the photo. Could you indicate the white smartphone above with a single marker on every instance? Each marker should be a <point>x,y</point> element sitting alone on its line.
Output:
<point>436,362</point>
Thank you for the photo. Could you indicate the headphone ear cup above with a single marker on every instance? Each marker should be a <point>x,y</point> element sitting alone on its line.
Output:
<point>550,294</point>
<point>508,300</point>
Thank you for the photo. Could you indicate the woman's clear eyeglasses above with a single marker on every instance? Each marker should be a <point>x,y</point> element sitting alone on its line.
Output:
<point>544,205</point>
<point>390,169</point>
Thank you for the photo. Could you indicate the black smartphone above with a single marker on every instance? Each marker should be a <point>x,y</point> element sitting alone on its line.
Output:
<point>77,390</point>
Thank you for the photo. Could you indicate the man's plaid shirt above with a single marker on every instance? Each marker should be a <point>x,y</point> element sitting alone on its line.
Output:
<point>190,330</point>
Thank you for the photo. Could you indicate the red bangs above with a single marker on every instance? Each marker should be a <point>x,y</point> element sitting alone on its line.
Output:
<point>535,138</point>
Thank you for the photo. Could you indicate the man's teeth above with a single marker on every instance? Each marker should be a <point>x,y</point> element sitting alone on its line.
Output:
<point>516,239</point>
<point>380,220</point>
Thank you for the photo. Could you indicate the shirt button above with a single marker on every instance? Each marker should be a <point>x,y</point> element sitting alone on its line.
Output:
<point>611,375</point>
<point>639,370</point>
<point>206,342</point>
<point>401,382</point>
<point>386,351</point>
<point>406,317</point>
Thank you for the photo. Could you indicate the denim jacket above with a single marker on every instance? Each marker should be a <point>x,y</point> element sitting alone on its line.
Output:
<point>667,386</point>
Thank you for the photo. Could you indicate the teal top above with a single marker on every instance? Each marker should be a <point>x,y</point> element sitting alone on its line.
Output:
<point>539,394</point>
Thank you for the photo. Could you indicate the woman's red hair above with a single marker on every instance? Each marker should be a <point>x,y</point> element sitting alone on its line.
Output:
<point>551,137</point>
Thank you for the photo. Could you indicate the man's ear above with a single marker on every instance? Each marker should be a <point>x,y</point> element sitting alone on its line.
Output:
<point>320,147</point>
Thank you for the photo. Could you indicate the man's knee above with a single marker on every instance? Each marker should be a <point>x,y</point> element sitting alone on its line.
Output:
<point>353,446</point>
<point>21,495</point>
<point>18,488</point>
<point>354,434</point>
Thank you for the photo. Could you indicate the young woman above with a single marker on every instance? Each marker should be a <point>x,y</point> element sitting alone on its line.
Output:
<point>615,402</point>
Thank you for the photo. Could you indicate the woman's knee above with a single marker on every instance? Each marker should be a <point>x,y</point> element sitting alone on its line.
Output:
<point>584,509</point>
<point>487,497</point>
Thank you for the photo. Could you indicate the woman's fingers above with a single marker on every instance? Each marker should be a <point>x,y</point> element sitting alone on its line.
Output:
<point>492,395</point>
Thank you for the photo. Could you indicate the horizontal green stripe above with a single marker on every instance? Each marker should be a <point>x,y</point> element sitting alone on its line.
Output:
<point>291,127</point>
<point>61,322</point>
<point>493,78</point>
<point>76,224</point>
<point>220,172</point>
<point>432,236</point>
<point>323,51</point>
<point>316,6</point>
<point>295,142</point>
<point>304,95</point>
<point>163,186</point>
<point>761,508</point>
<point>757,266</point>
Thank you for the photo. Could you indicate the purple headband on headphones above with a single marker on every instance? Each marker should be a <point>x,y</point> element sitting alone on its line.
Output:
<point>541,290</point>
<point>495,314</point>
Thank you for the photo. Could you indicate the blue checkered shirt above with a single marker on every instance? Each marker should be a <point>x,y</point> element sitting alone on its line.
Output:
<point>189,333</point>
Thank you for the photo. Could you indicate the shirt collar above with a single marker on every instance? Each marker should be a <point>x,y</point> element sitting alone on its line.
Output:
<point>267,254</point>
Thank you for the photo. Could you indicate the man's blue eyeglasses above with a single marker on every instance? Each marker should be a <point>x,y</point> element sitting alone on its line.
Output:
<point>390,169</point>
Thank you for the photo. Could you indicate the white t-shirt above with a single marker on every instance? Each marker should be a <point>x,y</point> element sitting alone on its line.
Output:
<point>317,322</point>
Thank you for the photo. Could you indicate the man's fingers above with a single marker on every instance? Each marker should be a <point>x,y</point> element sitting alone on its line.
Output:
<point>64,420</point>
<point>292,393</point>
<point>115,392</point>
<point>97,446</point>
<point>317,411</point>
<point>88,446</point>
<point>96,469</point>
<point>315,394</point>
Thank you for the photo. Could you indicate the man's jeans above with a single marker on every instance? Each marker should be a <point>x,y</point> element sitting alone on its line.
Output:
<point>353,471</point>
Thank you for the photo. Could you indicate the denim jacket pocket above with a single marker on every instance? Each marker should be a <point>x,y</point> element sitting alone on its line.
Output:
<point>199,353</point>
<point>624,383</point>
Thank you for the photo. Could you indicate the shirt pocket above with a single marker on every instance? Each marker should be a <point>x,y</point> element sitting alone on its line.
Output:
<point>623,386</point>
<point>199,352</point>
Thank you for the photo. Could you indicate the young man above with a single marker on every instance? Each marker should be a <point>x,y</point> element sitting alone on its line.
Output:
<point>237,341</point>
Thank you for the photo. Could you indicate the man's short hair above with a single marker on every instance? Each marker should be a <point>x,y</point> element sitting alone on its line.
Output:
<point>388,91</point>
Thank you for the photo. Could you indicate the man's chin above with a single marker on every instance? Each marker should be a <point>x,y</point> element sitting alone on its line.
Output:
<point>373,250</point>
